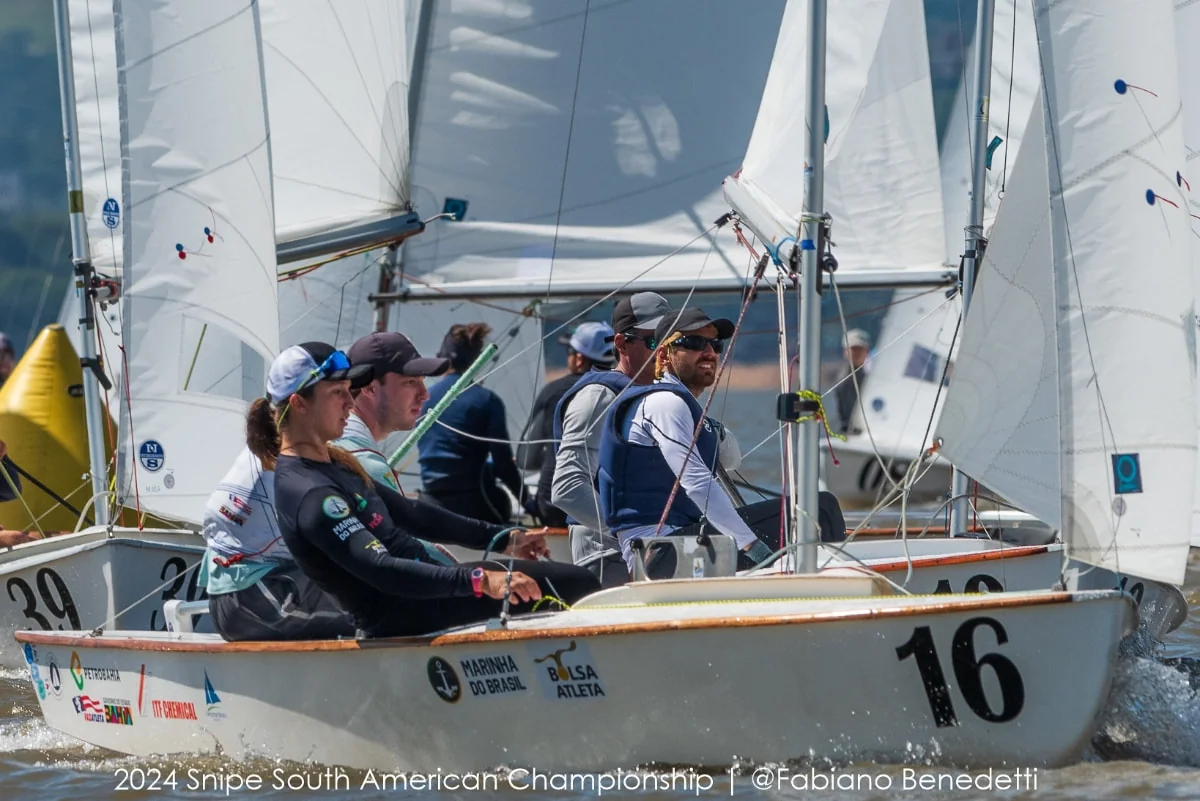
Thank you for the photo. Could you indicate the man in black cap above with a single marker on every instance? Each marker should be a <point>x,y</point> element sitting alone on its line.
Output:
<point>657,436</point>
<point>648,441</point>
<point>578,427</point>
<point>391,402</point>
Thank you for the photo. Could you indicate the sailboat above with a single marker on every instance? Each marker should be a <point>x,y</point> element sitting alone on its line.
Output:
<point>1044,657</point>
<point>338,177</point>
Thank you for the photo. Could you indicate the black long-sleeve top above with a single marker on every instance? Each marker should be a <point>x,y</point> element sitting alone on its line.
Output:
<point>356,541</point>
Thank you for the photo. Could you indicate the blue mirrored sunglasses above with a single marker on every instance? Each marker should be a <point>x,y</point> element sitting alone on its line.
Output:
<point>337,361</point>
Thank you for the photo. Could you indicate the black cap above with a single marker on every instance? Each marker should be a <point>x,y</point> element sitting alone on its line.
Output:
<point>691,319</point>
<point>391,352</point>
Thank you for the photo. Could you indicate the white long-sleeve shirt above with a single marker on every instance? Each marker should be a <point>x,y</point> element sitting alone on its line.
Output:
<point>663,419</point>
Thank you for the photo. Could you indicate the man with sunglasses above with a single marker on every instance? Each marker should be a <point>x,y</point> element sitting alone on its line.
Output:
<point>578,428</point>
<point>655,433</point>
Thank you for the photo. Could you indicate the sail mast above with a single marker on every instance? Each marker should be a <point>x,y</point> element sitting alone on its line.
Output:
<point>804,502</point>
<point>959,484</point>
<point>81,258</point>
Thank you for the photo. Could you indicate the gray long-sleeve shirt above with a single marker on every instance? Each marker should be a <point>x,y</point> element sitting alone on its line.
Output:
<point>578,460</point>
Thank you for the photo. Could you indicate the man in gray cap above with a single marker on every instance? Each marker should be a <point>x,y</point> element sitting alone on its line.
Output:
<point>657,435</point>
<point>578,427</point>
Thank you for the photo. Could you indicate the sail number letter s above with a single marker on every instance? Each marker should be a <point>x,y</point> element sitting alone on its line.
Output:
<point>968,673</point>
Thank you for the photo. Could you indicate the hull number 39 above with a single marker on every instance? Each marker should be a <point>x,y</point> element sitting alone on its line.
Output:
<point>968,673</point>
<point>56,600</point>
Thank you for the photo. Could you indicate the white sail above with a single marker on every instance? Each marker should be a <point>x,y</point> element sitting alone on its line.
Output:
<point>1187,28</point>
<point>586,140</point>
<point>337,85</point>
<point>999,421</point>
<point>1114,155</point>
<point>1014,86</point>
<point>902,394</point>
<point>94,64</point>
<point>882,180</point>
<point>199,317</point>
<point>337,88</point>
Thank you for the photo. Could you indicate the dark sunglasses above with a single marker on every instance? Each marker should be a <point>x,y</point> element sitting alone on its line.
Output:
<point>631,336</point>
<point>698,343</point>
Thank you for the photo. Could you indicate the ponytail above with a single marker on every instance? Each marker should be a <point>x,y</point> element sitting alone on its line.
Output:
<point>262,435</point>
<point>347,460</point>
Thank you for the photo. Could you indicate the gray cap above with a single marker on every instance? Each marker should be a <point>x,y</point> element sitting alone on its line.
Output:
<point>642,310</point>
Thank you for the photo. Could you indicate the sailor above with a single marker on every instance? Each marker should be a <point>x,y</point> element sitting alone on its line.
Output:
<point>256,590</point>
<point>391,402</point>
<point>454,453</point>
<point>655,433</point>
<point>578,427</point>
<point>8,357</point>
<point>857,347</point>
<point>589,347</point>
<point>354,537</point>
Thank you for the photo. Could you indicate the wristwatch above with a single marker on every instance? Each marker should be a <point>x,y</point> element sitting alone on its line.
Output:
<point>477,581</point>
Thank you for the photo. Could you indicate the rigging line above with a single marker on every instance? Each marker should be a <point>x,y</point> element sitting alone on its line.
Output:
<point>853,376</point>
<point>601,300</point>
<point>686,302</point>
<point>708,402</point>
<point>962,78</point>
<point>528,311</point>
<point>1012,63</point>
<point>562,188</point>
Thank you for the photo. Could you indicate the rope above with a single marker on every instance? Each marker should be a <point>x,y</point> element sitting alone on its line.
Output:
<point>758,273</point>
<point>12,485</point>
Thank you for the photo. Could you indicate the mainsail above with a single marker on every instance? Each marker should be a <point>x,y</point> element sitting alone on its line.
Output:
<point>198,258</point>
<point>337,88</point>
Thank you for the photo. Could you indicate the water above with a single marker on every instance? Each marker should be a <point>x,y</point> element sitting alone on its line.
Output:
<point>1148,746</point>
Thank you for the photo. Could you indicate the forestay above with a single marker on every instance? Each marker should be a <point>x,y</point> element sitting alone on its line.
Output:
<point>1115,156</point>
<point>1014,86</point>
<point>199,294</point>
<point>882,181</point>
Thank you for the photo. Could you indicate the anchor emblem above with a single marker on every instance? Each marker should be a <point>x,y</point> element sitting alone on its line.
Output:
<point>443,679</point>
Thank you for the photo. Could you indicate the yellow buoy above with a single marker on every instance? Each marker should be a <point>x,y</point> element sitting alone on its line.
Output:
<point>42,420</point>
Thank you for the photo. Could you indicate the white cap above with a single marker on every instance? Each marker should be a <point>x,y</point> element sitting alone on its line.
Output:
<point>298,366</point>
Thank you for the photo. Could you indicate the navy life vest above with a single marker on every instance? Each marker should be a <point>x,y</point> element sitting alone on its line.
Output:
<point>635,480</point>
<point>613,379</point>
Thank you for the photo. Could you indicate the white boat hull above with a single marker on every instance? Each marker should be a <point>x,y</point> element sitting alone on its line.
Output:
<point>666,681</point>
<point>85,580</point>
<point>859,479</point>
